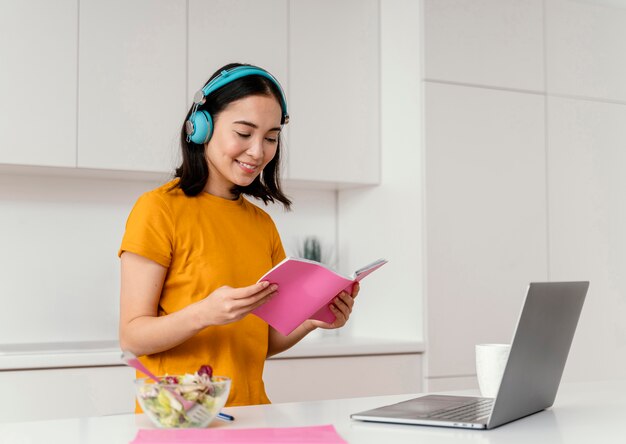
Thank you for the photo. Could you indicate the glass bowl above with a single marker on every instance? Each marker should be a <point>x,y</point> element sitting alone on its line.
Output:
<point>165,411</point>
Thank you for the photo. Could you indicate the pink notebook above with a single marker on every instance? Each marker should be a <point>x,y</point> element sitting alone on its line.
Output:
<point>325,434</point>
<point>305,290</point>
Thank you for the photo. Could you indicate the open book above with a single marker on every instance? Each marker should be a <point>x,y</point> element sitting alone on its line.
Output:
<point>305,290</point>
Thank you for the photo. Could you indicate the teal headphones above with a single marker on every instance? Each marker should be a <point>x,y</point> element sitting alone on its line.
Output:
<point>199,126</point>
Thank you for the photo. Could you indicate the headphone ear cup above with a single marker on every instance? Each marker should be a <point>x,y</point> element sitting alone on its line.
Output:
<point>203,127</point>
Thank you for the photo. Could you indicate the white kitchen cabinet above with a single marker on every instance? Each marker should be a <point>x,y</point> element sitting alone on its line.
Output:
<point>53,393</point>
<point>308,379</point>
<point>488,42</point>
<point>334,91</point>
<point>132,76</point>
<point>106,85</point>
<point>38,41</point>
<point>585,45</point>
<point>485,217</point>
<point>586,185</point>
<point>245,31</point>
<point>286,40</point>
<point>29,395</point>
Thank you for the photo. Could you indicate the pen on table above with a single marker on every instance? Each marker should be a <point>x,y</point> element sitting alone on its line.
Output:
<point>225,417</point>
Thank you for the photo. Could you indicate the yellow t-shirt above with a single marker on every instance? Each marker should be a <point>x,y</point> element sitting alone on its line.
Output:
<point>206,242</point>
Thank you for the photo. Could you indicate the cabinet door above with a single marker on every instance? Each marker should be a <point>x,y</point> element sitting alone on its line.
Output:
<point>34,395</point>
<point>310,379</point>
<point>131,83</point>
<point>244,31</point>
<point>38,41</point>
<point>485,217</point>
<point>334,82</point>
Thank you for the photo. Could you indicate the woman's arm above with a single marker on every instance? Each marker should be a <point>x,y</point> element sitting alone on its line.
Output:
<point>277,342</point>
<point>143,332</point>
<point>341,307</point>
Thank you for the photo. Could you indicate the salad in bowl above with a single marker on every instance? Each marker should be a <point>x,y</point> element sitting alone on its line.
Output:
<point>159,400</point>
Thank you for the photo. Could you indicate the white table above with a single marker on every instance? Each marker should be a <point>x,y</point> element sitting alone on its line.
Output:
<point>583,413</point>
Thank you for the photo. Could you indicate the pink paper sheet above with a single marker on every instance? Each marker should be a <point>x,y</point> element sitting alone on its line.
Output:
<point>325,434</point>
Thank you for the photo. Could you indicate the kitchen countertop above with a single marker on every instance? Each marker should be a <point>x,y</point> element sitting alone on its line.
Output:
<point>107,353</point>
<point>59,355</point>
<point>582,413</point>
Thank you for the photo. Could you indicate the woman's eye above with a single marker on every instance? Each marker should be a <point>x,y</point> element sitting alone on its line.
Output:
<point>271,139</point>
<point>242,135</point>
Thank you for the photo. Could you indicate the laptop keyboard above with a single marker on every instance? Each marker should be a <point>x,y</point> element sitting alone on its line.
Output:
<point>474,411</point>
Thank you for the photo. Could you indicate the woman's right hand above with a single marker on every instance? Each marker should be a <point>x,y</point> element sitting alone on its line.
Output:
<point>227,304</point>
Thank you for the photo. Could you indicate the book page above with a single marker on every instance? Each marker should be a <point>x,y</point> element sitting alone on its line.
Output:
<point>369,268</point>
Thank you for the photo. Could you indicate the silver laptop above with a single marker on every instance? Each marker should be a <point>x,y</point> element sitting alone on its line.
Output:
<point>531,377</point>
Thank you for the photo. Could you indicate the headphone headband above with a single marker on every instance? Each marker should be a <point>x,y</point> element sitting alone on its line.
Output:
<point>199,127</point>
<point>227,76</point>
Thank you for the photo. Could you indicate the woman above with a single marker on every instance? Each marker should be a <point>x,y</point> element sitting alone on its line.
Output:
<point>194,247</point>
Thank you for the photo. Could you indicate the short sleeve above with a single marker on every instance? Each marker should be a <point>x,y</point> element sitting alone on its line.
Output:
<point>149,230</point>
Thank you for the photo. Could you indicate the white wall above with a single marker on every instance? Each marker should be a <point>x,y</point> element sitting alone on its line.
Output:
<point>386,221</point>
<point>524,122</point>
<point>59,239</point>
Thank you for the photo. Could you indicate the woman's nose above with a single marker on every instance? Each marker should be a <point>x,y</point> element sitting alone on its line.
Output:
<point>255,150</point>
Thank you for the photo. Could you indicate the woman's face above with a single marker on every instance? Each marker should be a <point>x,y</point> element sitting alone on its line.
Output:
<point>244,140</point>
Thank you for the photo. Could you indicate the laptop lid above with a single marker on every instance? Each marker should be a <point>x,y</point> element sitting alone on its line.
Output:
<point>539,350</point>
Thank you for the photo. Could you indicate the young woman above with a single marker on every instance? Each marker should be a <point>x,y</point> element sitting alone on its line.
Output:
<point>194,247</point>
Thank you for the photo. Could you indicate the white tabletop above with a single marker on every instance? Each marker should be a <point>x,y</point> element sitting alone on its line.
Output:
<point>583,413</point>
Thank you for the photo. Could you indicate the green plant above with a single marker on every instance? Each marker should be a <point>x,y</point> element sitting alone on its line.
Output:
<point>312,249</point>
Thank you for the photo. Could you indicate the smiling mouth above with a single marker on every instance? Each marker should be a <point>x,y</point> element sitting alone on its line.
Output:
<point>247,166</point>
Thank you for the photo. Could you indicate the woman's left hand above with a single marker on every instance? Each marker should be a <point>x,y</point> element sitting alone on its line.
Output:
<point>341,307</point>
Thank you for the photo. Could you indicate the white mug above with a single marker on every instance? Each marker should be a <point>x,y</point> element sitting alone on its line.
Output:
<point>490,363</point>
